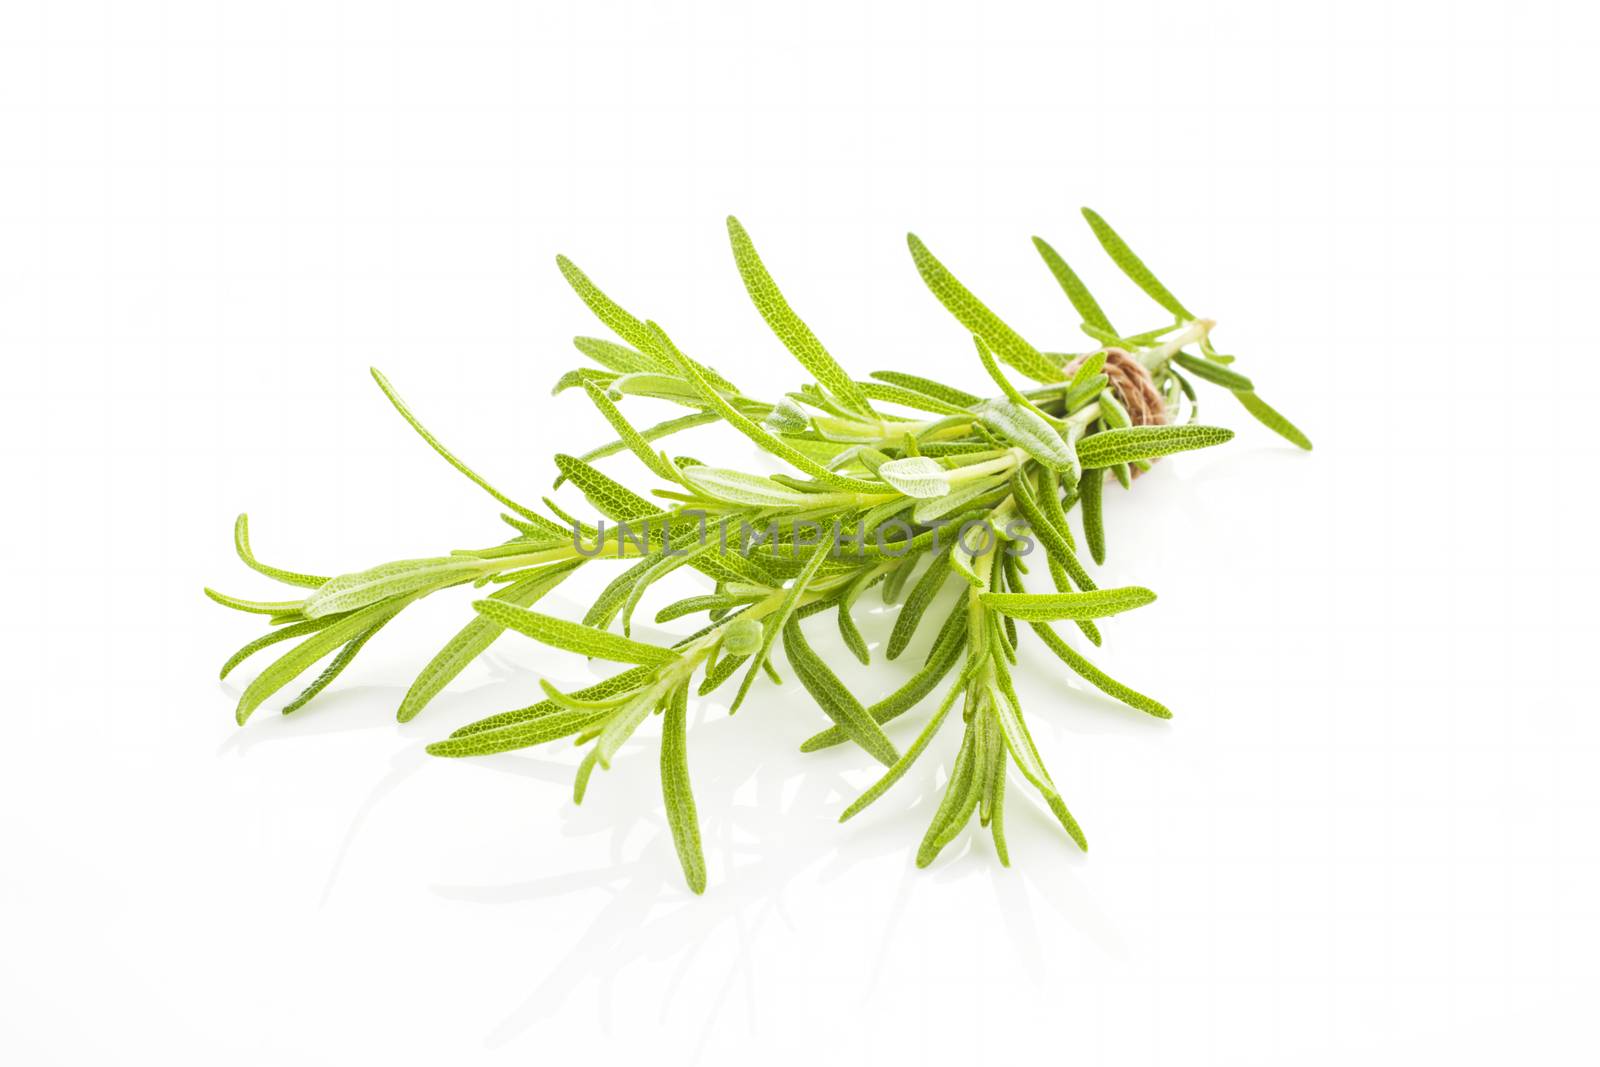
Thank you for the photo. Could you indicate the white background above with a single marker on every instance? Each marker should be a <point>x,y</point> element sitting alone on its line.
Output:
<point>1369,831</point>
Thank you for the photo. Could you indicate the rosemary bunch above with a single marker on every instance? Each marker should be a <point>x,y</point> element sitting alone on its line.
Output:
<point>899,481</point>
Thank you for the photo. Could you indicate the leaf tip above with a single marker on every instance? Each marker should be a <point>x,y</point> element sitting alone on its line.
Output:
<point>1068,823</point>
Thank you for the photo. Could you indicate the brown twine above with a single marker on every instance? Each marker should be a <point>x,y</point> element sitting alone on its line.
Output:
<point>1134,386</point>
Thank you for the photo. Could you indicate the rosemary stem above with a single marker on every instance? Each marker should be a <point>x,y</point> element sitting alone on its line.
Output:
<point>1001,464</point>
<point>1154,359</point>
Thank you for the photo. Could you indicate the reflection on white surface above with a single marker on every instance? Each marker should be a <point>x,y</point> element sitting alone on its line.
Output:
<point>769,823</point>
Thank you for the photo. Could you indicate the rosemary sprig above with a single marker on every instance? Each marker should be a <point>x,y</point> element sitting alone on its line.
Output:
<point>955,488</point>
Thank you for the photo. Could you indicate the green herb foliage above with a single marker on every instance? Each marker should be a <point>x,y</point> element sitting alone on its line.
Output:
<point>946,496</point>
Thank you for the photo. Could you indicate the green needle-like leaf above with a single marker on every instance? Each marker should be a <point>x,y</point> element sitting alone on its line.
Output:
<point>970,495</point>
<point>675,789</point>
<point>1087,307</point>
<point>571,702</point>
<point>726,668</point>
<point>272,637</point>
<point>790,328</point>
<point>911,398</point>
<point>1110,447</point>
<point>537,731</point>
<point>652,384</point>
<point>1272,420</point>
<point>1214,373</point>
<point>613,315</point>
<point>349,592</point>
<point>960,795</point>
<point>572,636</point>
<point>992,368</point>
<point>946,652</point>
<point>438,446</point>
<point>775,445</point>
<point>658,464</point>
<point>917,476</point>
<point>256,607</point>
<point>580,781</point>
<point>1133,266</point>
<point>615,594</point>
<point>669,561</point>
<point>848,631</point>
<point>836,701</point>
<point>1082,393</point>
<point>978,319</point>
<point>626,681</point>
<point>1040,525</point>
<point>652,433</point>
<point>780,619</point>
<point>574,378</point>
<point>301,657</point>
<point>749,490</point>
<point>903,764</point>
<point>1022,750</point>
<point>922,595</point>
<point>1049,607</point>
<point>335,667</point>
<point>620,726</point>
<point>625,325</point>
<point>609,497</point>
<point>712,602</point>
<point>997,804</point>
<point>1092,365</point>
<point>473,639</point>
<point>1098,678</point>
<point>614,357</point>
<point>241,545</point>
<point>958,398</point>
<point>1029,431</point>
<point>1090,490</point>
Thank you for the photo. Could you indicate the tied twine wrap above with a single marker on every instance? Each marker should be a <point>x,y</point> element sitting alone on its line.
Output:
<point>1134,387</point>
